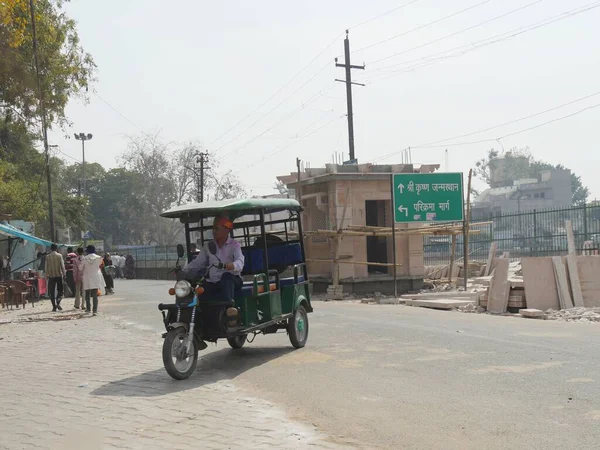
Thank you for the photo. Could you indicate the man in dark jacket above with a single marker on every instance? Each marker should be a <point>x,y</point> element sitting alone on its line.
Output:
<point>69,265</point>
<point>55,271</point>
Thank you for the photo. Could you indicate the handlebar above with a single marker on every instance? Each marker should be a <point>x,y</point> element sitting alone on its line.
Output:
<point>179,270</point>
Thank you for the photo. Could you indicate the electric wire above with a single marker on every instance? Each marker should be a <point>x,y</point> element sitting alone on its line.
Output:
<point>481,141</point>
<point>493,19</point>
<point>285,147</point>
<point>116,110</point>
<point>274,108</point>
<point>285,118</point>
<point>464,49</point>
<point>422,26</point>
<point>383,14</point>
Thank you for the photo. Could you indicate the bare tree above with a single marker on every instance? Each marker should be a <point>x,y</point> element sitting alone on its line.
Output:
<point>151,158</point>
<point>185,172</point>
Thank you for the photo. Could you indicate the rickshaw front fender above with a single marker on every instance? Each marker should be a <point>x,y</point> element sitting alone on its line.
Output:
<point>175,325</point>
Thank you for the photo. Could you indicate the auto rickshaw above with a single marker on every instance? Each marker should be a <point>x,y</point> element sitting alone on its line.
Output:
<point>276,291</point>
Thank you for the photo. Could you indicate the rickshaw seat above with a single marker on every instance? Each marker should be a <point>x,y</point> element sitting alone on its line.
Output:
<point>248,288</point>
<point>288,281</point>
<point>279,255</point>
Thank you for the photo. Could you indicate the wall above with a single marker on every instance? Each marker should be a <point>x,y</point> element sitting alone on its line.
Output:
<point>316,247</point>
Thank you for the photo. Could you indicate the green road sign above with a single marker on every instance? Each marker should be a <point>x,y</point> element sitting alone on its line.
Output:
<point>428,197</point>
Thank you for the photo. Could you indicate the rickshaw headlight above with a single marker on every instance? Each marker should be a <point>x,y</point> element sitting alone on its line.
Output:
<point>182,288</point>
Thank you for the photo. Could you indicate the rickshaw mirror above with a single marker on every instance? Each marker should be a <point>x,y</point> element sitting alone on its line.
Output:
<point>180,250</point>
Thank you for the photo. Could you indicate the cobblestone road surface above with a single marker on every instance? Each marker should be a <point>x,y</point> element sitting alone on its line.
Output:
<point>88,383</point>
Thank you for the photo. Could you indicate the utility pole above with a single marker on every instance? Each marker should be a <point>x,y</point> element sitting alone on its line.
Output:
<point>44,124</point>
<point>349,84</point>
<point>201,159</point>
<point>83,137</point>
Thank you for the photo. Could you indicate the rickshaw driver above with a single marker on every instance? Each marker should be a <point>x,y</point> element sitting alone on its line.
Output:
<point>221,284</point>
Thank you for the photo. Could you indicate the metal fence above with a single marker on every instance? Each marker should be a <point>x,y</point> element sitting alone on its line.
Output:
<point>530,233</point>
<point>151,262</point>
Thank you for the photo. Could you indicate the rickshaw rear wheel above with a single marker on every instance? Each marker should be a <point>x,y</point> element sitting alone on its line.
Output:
<point>236,342</point>
<point>298,327</point>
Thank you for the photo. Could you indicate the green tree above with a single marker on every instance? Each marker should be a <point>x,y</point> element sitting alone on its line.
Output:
<point>66,70</point>
<point>115,208</point>
<point>21,172</point>
<point>151,160</point>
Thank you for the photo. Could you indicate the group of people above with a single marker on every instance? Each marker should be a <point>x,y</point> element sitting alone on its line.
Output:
<point>85,273</point>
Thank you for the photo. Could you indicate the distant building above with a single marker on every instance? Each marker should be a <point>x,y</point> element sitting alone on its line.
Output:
<point>552,190</point>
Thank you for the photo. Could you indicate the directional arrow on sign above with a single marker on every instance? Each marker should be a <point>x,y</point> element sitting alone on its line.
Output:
<point>403,209</point>
<point>401,187</point>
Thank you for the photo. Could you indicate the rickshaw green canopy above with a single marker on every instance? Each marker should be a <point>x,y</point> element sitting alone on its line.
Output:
<point>239,207</point>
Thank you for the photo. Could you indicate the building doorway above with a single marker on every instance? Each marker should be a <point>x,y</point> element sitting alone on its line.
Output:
<point>376,214</point>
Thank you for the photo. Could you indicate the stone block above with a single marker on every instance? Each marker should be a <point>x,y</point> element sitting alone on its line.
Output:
<point>471,296</point>
<point>532,313</point>
<point>499,287</point>
<point>588,268</point>
<point>448,303</point>
<point>540,283</point>
<point>335,293</point>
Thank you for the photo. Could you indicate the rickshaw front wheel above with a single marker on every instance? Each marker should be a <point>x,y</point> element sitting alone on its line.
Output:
<point>177,361</point>
<point>298,327</point>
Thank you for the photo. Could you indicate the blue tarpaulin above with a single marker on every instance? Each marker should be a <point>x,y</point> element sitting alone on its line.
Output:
<point>9,230</point>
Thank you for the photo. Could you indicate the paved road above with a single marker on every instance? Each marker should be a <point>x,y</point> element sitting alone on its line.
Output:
<point>402,377</point>
<point>73,381</point>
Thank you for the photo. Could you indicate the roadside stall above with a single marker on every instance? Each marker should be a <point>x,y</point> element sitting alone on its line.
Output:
<point>15,240</point>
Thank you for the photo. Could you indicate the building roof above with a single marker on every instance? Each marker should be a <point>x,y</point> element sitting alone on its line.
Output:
<point>353,172</point>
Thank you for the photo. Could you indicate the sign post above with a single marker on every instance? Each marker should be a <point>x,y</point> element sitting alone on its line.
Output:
<point>394,241</point>
<point>428,197</point>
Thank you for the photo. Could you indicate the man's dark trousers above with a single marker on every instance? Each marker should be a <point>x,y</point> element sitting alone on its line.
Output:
<point>225,289</point>
<point>55,283</point>
<point>71,282</point>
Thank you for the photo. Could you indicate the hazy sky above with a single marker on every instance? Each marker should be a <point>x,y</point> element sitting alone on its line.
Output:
<point>193,69</point>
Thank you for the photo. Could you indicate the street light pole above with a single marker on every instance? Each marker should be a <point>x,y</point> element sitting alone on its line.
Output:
<point>83,137</point>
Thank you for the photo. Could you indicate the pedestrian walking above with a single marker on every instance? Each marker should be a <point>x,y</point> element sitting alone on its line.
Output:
<point>122,266</point>
<point>55,271</point>
<point>92,278</point>
<point>107,268</point>
<point>116,259</point>
<point>129,271</point>
<point>78,276</point>
<point>69,266</point>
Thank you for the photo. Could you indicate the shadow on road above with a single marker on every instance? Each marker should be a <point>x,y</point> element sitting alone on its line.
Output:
<point>224,364</point>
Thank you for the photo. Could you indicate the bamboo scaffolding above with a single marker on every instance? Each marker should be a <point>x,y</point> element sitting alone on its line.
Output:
<point>338,242</point>
<point>423,228</point>
<point>388,232</point>
<point>360,263</point>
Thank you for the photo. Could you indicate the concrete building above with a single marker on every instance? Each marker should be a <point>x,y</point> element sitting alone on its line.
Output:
<point>322,193</point>
<point>551,190</point>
